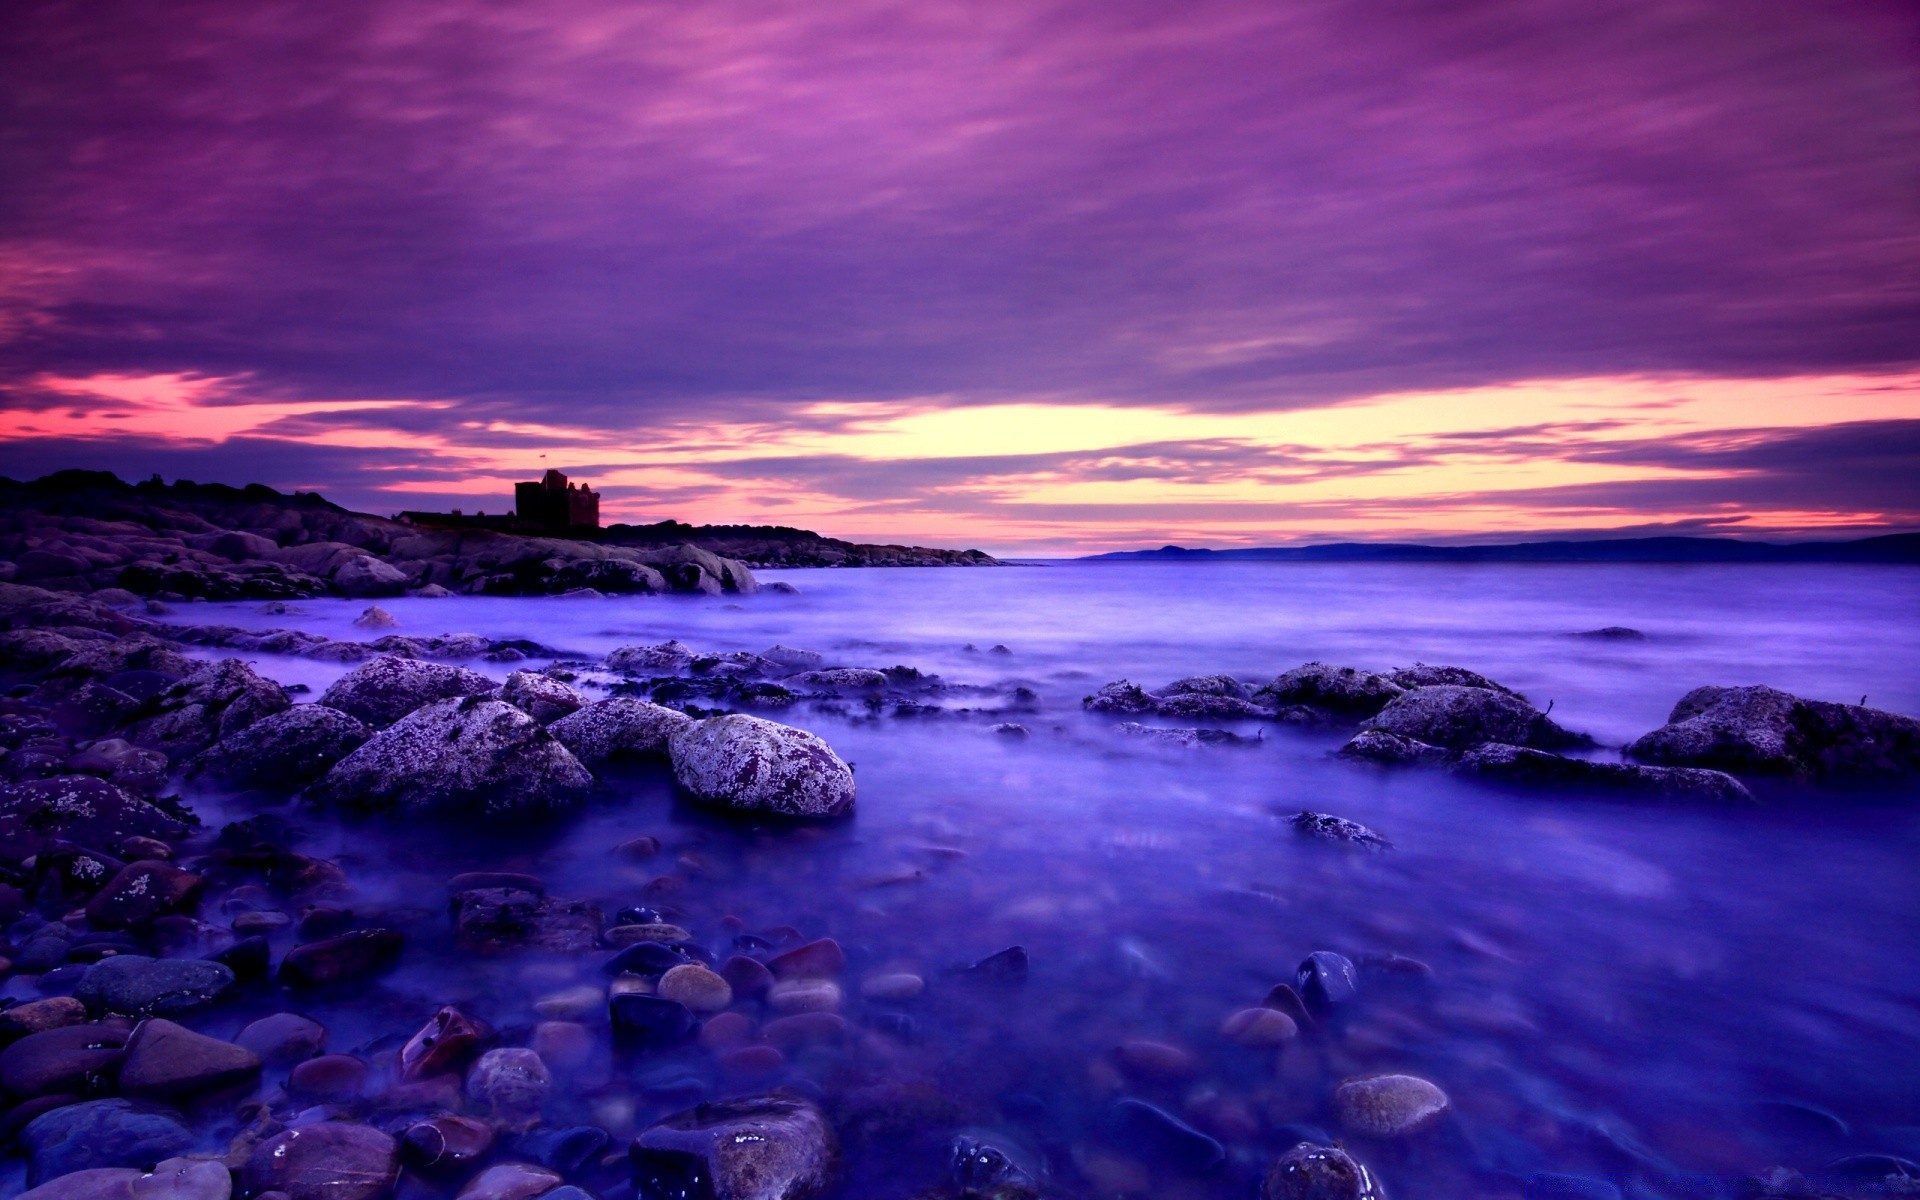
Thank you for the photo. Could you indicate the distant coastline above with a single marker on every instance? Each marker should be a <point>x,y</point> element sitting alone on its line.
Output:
<point>1893,548</point>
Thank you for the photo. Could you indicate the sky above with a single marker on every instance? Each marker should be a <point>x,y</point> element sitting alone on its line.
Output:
<point>1029,276</point>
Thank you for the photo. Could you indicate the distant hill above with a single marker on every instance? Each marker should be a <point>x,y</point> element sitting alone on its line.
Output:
<point>1887,548</point>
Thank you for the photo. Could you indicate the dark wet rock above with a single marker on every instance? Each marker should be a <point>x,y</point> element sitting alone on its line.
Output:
<point>216,701</point>
<point>140,893</point>
<point>1765,731</point>
<point>375,617</point>
<point>1613,633</point>
<point>1122,697</point>
<point>446,1144</point>
<point>746,976</point>
<point>503,919</point>
<point>1313,1172</point>
<point>82,809</point>
<point>1205,706</point>
<point>138,986</point>
<point>753,766</point>
<point>1517,766</point>
<point>1326,981</point>
<point>1181,739</point>
<point>384,690</point>
<point>1389,1106</point>
<point>1206,685</point>
<point>345,958</point>
<point>1458,718</point>
<point>541,697</point>
<point>166,1061</point>
<point>794,660</point>
<point>286,750</point>
<point>1005,966</point>
<point>985,1164</point>
<point>840,679</point>
<point>567,1150</point>
<point>640,660</point>
<point>92,709</point>
<point>75,1059</point>
<point>448,1040</point>
<point>329,1079</point>
<point>1260,1028</point>
<point>1426,675</point>
<point>650,958</point>
<point>1328,828</point>
<point>101,1133</point>
<point>330,1160</point>
<point>1150,1129</point>
<point>284,1038</point>
<point>1344,691</point>
<point>760,1148</point>
<point>122,763</point>
<point>1388,749</point>
<point>34,1016</point>
<point>249,959</point>
<point>618,728</point>
<point>511,1083</point>
<point>510,1181</point>
<point>1012,729</point>
<point>818,959</point>
<point>466,757</point>
<point>646,1022</point>
<point>173,1179</point>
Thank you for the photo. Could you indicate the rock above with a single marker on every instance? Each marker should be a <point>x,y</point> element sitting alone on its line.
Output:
<point>1158,1061</point>
<point>1765,731</point>
<point>1338,830</point>
<point>329,1160</point>
<point>1458,718</point>
<point>512,1083</point>
<point>1148,1128</point>
<point>73,1059</point>
<point>345,958</point>
<point>165,1061</point>
<point>820,958</point>
<point>216,701</point>
<point>375,617</point>
<point>893,988</point>
<point>1182,739</point>
<point>627,935</point>
<point>1007,966</point>
<point>329,1079</point>
<point>748,977</point>
<point>466,757</point>
<point>286,750</point>
<point>646,1022</point>
<point>1260,1028</point>
<point>792,659</point>
<point>1342,691</point>
<point>447,1144</point>
<point>1326,980</point>
<point>503,920</point>
<point>1379,746</point>
<point>749,765</point>
<point>284,1038</point>
<point>1388,1106</point>
<point>141,892</point>
<point>510,1181</point>
<point>101,1133</point>
<point>1613,633</point>
<point>1121,696</point>
<point>541,697</point>
<point>618,728</point>
<point>445,1043</point>
<point>1311,1172</point>
<point>138,986</point>
<point>640,660</point>
<point>33,1016</point>
<point>384,690</point>
<point>697,987</point>
<point>841,679</point>
<point>1423,675</point>
<point>804,995</point>
<point>1518,766</point>
<point>362,576</point>
<point>81,809</point>
<point>760,1148</point>
<point>173,1179</point>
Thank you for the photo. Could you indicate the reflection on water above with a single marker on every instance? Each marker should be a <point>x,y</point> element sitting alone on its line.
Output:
<point>1615,991</point>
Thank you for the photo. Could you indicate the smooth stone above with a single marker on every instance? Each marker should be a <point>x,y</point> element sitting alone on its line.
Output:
<point>36,1016</point>
<point>329,1078</point>
<point>510,1181</point>
<point>447,1143</point>
<point>1003,967</point>
<point>345,958</point>
<point>804,995</point>
<point>896,987</point>
<point>172,1179</point>
<point>700,989</point>
<point>445,1043</point>
<point>572,1004</point>
<point>141,892</point>
<point>647,958</point>
<point>748,977</point>
<point>166,1061</point>
<point>752,1061</point>
<point>564,1044</point>
<point>760,1148</point>
<point>566,1150</point>
<point>1326,980</point>
<point>820,958</point>
<point>806,1028</point>
<point>645,1022</point>
<point>726,1030</point>
<point>1312,1172</point>
<point>512,1082</point>
<point>66,1059</point>
<point>627,935</point>
<point>101,1133</point>
<point>1143,1126</point>
<point>1260,1028</point>
<point>284,1038</point>
<point>1388,1106</point>
<point>1156,1060</point>
<point>328,1160</point>
<point>138,986</point>
<point>247,924</point>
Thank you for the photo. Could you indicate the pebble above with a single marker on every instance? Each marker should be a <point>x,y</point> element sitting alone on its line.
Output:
<point>649,1021</point>
<point>896,987</point>
<point>1314,1172</point>
<point>165,1061</point>
<point>804,995</point>
<point>326,1160</point>
<point>136,985</point>
<point>1326,980</point>
<point>752,1060</point>
<point>510,1181</point>
<point>802,1028</point>
<point>1156,1060</point>
<point>332,1078</point>
<point>59,1060</point>
<point>698,988</point>
<point>726,1030</point>
<point>573,1004</point>
<point>748,977</point>
<point>817,959</point>
<point>54,1012</point>
<point>1388,1106</point>
<point>284,1038</point>
<point>447,1143</point>
<point>267,921</point>
<point>100,1133</point>
<point>563,1043</point>
<point>1259,1028</point>
<point>512,1082</point>
<point>445,1043</point>
<point>347,958</point>
<point>627,935</point>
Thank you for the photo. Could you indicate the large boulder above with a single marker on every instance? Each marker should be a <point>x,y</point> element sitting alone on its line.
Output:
<point>1427,675</point>
<point>645,660</point>
<point>382,691</point>
<point>1344,691</point>
<point>541,697</point>
<point>137,986</point>
<point>617,728</point>
<point>1765,731</point>
<point>759,1148</point>
<point>82,809</point>
<point>469,756</point>
<point>1457,718</point>
<point>756,766</point>
<point>215,701</point>
<point>287,749</point>
<point>364,576</point>
<point>1519,766</point>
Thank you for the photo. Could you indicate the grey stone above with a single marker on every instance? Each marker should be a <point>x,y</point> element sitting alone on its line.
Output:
<point>618,728</point>
<point>384,690</point>
<point>135,985</point>
<point>1517,766</point>
<point>101,1133</point>
<point>1765,731</point>
<point>1457,718</point>
<point>755,766</point>
<point>285,750</point>
<point>761,1148</point>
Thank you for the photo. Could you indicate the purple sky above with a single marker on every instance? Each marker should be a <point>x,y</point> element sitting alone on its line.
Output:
<point>597,228</point>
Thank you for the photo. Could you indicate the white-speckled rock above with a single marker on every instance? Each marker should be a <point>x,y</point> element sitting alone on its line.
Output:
<point>618,727</point>
<point>384,690</point>
<point>755,766</point>
<point>1388,1106</point>
<point>541,697</point>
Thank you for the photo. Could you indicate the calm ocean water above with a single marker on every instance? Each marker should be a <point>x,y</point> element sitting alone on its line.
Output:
<point>1638,995</point>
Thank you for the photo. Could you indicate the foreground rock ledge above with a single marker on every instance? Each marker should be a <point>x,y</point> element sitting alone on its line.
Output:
<point>750,765</point>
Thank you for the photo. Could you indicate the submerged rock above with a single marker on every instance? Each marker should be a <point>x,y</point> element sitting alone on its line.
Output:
<point>755,766</point>
<point>101,1133</point>
<point>1342,690</point>
<point>1390,749</point>
<point>1426,675</point>
<point>1765,731</point>
<point>1184,739</point>
<point>330,1160</point>
<point>1328,828</point>
<point>82,809</point>
<point>1312,1172</point>
<point>288,749</point>
<point>618,728</point>
<point>1533,769</point>
<point>760,1148</point>
<point>383,690</point>
<point>1121,696</point>
<point>469,756</point>
<point>1456,718</point>
<point>1388,1106</point>
<point>166,1061</point>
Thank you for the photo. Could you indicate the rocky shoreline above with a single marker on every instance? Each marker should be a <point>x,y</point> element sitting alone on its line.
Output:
<point>140,938</point>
